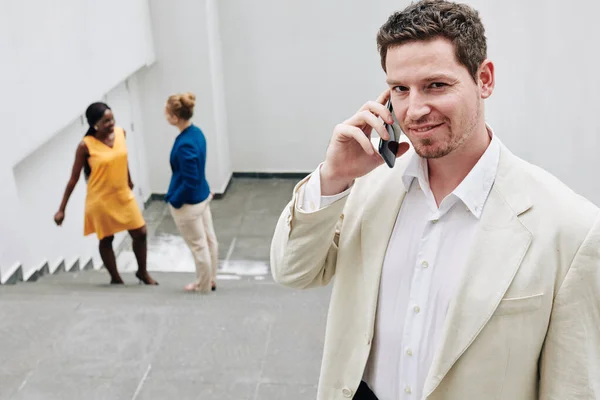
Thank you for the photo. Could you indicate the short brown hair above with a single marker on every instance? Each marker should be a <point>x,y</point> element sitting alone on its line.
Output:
<point>430,19</point>
<point>182,105</point>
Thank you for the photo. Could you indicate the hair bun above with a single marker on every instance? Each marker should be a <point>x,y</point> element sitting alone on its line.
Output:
<point>181,105</point>
<point>188,99</point>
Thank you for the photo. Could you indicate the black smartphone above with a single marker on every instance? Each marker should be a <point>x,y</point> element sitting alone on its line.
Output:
<point>388,148</point>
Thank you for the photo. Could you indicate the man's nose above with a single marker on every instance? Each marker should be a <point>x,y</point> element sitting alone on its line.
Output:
<point>417,107</point>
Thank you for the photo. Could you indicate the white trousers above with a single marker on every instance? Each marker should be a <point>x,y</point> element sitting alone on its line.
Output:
<point>195,225</point>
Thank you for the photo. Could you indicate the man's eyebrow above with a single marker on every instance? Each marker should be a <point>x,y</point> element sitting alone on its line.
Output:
<point>440,77</point>
<point>392,82</point>
<point>432,78</point>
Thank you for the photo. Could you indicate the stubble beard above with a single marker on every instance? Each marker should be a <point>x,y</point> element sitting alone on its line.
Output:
<point>424,149</point>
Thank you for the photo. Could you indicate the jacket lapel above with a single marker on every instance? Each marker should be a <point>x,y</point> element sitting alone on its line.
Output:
<point>498,249</point>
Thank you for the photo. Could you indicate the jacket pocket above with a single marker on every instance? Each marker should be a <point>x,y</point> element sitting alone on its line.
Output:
<point>517,305</point>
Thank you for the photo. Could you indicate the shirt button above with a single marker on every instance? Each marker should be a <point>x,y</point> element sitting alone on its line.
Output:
<point>347,392</point>
<point>409,352</point>
<point>434,221</point>
<point>417,309</point>
<point>408,390</point>
<point>425,264</point>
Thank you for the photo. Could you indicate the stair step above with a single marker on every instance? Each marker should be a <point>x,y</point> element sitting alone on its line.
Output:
<point>46,270</point>
<point>14,275</point>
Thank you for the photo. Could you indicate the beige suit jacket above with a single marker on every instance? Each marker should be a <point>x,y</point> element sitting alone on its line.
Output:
<point>525,321</point>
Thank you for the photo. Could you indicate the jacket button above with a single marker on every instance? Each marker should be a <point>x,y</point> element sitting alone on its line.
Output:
<point>347,392</point>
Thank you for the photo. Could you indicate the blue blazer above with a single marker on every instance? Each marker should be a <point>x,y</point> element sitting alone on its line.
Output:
<point>188,161</point>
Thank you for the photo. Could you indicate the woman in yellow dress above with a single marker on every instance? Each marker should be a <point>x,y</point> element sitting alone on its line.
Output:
<point>110,205</point>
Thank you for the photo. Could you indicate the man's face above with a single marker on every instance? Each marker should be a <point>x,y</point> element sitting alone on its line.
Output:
<point>435,99</point>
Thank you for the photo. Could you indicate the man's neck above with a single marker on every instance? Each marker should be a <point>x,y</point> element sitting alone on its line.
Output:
<point>447,172</point>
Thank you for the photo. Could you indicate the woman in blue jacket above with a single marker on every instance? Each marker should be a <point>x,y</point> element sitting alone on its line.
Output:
<point>189,194</point>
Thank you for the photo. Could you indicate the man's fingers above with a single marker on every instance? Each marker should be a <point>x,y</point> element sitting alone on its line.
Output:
<point>379,110</point>
<point>384,97</point>
<point>355,133</point>
<point>364,118</point>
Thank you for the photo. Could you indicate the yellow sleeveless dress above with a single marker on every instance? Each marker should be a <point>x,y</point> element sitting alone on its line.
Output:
<point>110,205</point>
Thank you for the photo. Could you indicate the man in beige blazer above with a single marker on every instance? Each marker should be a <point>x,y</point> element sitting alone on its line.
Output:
<point>463,272</point>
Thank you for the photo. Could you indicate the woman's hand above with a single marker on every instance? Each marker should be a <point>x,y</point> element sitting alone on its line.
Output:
<point>59,217</point>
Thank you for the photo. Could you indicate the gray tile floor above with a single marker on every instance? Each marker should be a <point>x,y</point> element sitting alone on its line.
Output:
<point>244,223</point>
<point>73,336</point>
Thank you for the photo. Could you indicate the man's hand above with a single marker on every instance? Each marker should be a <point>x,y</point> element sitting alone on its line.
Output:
<point>351,154</point>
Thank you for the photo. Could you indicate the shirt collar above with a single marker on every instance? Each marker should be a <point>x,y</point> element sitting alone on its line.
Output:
<point>475,188</point>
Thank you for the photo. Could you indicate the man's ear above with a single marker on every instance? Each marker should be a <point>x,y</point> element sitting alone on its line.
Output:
<point>486,78</point>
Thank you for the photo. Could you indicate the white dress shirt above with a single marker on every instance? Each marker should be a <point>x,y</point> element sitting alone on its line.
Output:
<point>428,247</point>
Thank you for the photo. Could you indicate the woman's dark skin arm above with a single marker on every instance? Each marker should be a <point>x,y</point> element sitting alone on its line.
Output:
<point>129,177</point>
<point>80,156</point>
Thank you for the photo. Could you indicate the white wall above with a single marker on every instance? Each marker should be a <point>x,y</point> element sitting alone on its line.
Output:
<point>548,89</point>
<point>64,55</point>
<point>138,142</point>
<point>14,243</point>
<point>57,57</point>
<point>295,69</point>
<point>187,47</point>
